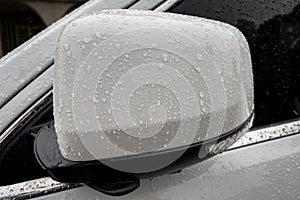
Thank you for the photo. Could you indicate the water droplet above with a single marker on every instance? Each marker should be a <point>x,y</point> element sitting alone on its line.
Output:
<point>165,57</point>
<point>199,56</point>
<point>87,40</point>
<point>201,94</point>
<point>66,46</point>
<point>98,35</point>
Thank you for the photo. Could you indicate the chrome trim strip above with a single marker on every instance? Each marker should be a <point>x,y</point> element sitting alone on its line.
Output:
<point>167,5</point>
<point>147,4</point>
<point>34,188</point>
<point>268,133</point>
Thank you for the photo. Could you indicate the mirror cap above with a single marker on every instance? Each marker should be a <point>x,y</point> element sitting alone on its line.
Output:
<point>130,82</point>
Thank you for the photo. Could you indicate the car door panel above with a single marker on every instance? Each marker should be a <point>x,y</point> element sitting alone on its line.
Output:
<point>269,170</point>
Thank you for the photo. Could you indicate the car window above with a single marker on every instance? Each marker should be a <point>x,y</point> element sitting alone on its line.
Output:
<point>20,20</point>
<point>17,159</point>
<point>17,27</point>
<point>272,29</point>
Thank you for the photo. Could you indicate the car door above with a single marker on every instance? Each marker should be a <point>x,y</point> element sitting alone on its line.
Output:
<point>264,164</point>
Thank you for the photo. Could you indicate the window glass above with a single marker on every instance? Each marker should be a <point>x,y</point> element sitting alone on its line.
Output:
<point>17,159</point>
<point>20,20</point>
<point>272,29</point>
<point>18,27</point>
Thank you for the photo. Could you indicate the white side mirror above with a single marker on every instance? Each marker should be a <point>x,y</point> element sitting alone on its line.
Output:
<point>138,90</point>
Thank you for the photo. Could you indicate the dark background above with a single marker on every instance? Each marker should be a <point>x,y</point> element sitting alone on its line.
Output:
<point>22,19</point>
<point>272,28</point>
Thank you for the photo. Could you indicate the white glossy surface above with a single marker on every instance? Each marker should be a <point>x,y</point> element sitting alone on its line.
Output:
<point>104,60</point>
<point>26,97</point>
<point>265,171</point>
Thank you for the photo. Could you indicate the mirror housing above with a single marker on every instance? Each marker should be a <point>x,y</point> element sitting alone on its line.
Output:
<point>139,94</point>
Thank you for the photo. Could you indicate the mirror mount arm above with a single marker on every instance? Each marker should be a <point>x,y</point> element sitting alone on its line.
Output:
<point>93,173</point>
<point>117,189</point>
